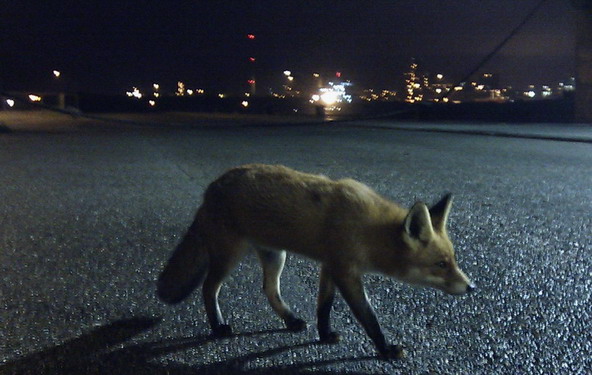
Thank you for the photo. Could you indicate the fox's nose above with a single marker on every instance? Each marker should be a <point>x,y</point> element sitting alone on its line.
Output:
<point>471,287</point>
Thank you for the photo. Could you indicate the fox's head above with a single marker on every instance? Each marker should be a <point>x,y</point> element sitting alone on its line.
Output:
<point>431,261</point>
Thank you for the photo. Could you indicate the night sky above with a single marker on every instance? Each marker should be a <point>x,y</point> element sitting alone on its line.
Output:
<point>108,46</point>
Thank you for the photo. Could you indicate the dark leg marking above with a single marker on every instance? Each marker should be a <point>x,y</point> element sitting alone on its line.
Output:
<point>324,305</point>
<point>353,292</point>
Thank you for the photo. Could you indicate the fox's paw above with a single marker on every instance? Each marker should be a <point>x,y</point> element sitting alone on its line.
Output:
<point>223,330</point>
<point>392,352</point>
<point>331,338</point>
<point>295,325</point>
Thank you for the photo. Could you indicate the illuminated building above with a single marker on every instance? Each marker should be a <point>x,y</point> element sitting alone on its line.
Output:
<point>180,89</point>
<point>333,96</point>
<point>413,84</point>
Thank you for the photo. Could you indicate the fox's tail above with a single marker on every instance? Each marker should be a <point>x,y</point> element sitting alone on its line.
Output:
<point>186,269</point>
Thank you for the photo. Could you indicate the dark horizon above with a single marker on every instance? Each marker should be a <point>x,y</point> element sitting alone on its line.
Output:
<point>107,47</point>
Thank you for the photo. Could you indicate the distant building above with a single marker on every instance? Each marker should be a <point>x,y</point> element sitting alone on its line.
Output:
<point>414,83</point>
<point>490,81</point>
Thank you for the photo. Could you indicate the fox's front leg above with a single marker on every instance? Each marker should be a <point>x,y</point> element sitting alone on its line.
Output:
<point>351,288</point>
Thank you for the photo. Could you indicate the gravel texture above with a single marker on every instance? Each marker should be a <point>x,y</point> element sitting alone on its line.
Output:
<point>87,220</point>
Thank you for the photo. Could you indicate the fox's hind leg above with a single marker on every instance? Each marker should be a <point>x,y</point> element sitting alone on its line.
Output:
<point>325,302</point>
<point>273,264</point>
<point>224,256</point>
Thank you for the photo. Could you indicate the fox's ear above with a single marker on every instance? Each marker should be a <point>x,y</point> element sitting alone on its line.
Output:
<point>418,224</point>
<point>439,212</point>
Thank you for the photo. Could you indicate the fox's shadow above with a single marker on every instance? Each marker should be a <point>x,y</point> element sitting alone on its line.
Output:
<point>102,351</point>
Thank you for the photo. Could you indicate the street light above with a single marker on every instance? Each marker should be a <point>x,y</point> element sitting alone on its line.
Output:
<point>57,73</point>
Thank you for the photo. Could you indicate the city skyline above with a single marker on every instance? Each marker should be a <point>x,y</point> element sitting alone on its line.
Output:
<point>108,47</point>
<point>314,83</point>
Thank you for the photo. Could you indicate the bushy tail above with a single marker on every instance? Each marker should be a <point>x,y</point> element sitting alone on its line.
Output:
<point>186,269</point>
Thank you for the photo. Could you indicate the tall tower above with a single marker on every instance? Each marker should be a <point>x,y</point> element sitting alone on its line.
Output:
<point>251,60</point>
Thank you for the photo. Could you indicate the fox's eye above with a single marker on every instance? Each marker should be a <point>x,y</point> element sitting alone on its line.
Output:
<point>442,264</point>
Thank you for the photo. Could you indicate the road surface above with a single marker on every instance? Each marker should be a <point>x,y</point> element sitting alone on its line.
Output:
<point>89,217</point>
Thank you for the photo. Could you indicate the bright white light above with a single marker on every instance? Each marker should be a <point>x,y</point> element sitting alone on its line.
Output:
<point>531,94</point>
<point>287,73</point>
<point>290,78</point>
<point>221,96</point>
<point>152,103</point>
<point>136,93</point>
<point>156,94</point>
<point>245,103</point>
<point>156,86</point>
<point>439,76</point>
<point>57,73</point>
<point>10,102</point>
<point>190,92</point>
<point>329,97</point>
<point>34,98</point>
<point>316,97</point>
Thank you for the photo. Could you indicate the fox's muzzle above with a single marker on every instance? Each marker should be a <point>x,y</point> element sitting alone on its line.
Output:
<point>460,289</point>
<point>462,286</point>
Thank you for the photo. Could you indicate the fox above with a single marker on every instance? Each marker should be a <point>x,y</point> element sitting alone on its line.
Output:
<point>343,224</point>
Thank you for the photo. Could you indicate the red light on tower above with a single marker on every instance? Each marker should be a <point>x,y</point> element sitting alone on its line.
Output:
<point>252,59</point>
<point>338,74</point>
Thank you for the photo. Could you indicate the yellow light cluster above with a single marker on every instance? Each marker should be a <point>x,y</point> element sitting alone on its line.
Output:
<point>180,89</point>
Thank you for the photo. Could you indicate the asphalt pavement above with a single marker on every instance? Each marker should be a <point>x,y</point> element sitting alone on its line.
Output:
<point>89,215</point>
<point>52,122</point>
